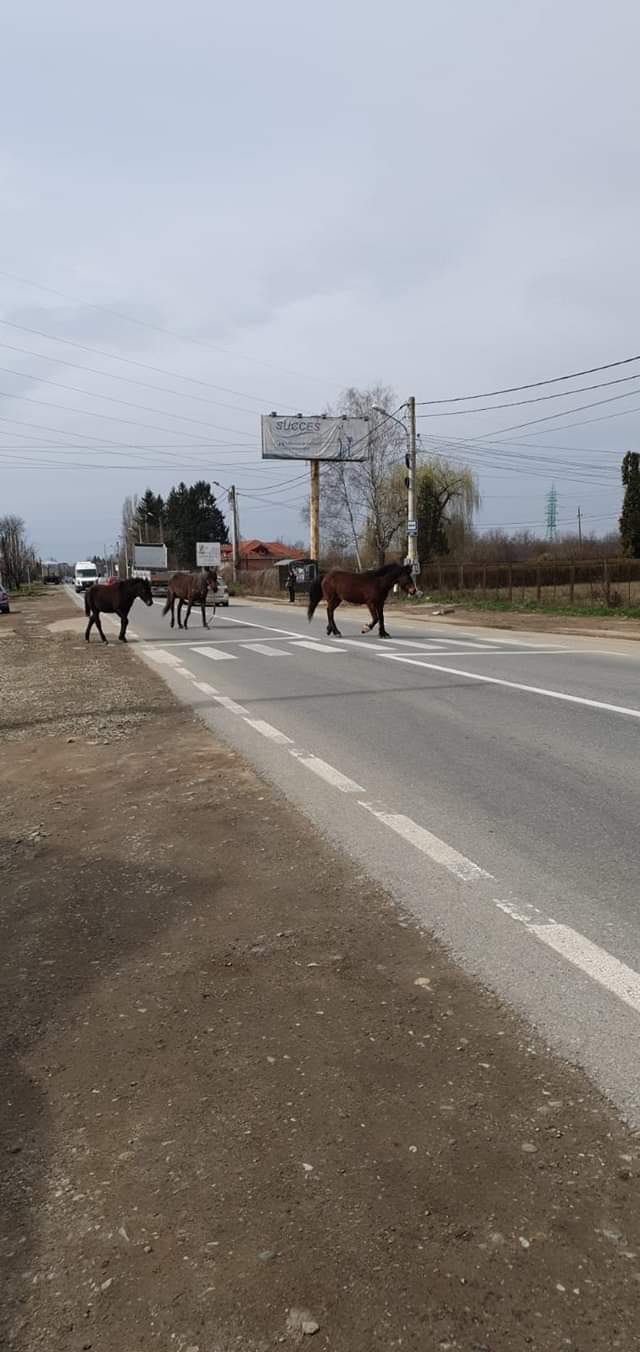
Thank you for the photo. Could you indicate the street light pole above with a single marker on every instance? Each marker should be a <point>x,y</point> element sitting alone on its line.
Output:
<point>410,434</point>
<point>412,525</point>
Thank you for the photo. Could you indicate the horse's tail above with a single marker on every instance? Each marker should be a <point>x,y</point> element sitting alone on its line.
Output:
<point>315,597</point>
<point>167,605</point>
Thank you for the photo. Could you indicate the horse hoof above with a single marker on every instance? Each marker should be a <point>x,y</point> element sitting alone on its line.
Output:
<point>365,629</point>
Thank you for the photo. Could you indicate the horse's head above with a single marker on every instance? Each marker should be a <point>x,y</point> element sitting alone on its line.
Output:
<point>211,575</point>
<point>406,580</point>
<point>143,590</point>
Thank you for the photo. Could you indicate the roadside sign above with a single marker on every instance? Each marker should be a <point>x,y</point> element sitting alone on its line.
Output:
<point>412,527</point>
<point>208,553</point>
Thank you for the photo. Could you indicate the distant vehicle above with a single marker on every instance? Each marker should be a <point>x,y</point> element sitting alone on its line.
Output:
<point>51,572</point>
<point>5,608</point>
<point>85,575</point>
<point>221,593</point>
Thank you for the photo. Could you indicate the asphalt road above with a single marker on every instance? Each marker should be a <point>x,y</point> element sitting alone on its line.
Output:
<point>489,781</point>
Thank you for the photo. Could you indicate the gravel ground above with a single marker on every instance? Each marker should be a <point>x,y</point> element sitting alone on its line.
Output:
<point>245,1103</point>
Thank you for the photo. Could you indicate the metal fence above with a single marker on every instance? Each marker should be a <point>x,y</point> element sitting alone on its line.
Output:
<point>580,582</point>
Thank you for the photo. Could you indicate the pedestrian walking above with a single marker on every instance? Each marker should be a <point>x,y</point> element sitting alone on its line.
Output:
<point>291,585</point>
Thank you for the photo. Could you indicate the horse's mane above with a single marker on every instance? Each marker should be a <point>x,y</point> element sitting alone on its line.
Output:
<point>386,569</point>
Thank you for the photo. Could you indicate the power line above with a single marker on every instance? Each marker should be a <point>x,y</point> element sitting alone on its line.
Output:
<point>142,365</point>
<point>533,422</point>
<point>538,399</point>
<point>113,399</point>
<point>130,380</point>
<point>155,328</point>
<point>532,385</point>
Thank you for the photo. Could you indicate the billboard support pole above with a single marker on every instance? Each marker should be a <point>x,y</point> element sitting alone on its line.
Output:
<point>314,511</point>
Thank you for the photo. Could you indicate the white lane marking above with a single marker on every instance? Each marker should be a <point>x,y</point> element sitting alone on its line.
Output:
<point>596,963</point>
<point>267,650</point>
<point>364,643</point>
<point>231,705</point>
<point>327,772</point>
<point>252,624</point>
<point>423,644</point>
<point>517,685</point>
<point>316,647</point>
<point>163,658</point>
<point>493,652</point>
<point>188,675</point>
<point>205,688</point>
<point>216,654</point>
<point>268,730</point>
<point>423,840</point>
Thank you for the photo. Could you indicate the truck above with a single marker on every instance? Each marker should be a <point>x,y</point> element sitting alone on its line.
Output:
<point>85,574</point>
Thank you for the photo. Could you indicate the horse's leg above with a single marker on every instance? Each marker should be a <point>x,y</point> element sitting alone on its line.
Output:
<point>384,633</point>
<point>124,620</point>
<point>203,603</point>
<point>180,605</point>
<point>96,617</point>
<point>172,608</point>
<point>332,627</point>
<point>88,628</point>
<point>188,612</point>
<point>373,611</point>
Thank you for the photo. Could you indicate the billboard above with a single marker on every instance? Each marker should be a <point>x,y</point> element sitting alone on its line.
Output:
<point>314,438</point>
<point>208,554</point>
<point>149,556</point>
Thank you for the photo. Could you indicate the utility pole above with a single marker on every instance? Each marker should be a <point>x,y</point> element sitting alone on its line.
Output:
<point>579,528</point>
<point>235,534</point>
<point>314,511</point>
<point>412,525</point>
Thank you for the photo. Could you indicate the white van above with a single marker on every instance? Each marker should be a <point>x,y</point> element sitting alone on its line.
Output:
<point>85,575</point>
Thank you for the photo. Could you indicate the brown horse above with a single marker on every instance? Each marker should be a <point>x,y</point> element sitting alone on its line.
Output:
<point>115,598</point>
<point>370,589</point>
<point>187,588</point>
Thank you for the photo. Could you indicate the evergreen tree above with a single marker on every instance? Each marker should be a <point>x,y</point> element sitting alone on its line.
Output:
<point>149,518</point>
<point>630,516</point>
<point>192,514</point>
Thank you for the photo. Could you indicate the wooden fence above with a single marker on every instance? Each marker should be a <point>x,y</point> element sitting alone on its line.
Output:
<point>583,582</point>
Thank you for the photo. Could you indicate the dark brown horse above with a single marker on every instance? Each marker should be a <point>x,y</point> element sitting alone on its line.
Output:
<point>370,589</point>
<point>189,589</point>
<point>115,598</point>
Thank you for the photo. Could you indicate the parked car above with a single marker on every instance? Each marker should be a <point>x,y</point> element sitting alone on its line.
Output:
<point>5,608</point>
<point>221,593</point>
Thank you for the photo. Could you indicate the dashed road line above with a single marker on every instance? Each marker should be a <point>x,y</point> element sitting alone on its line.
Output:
<point>327,772</point>
<point>589,958</point>
<point>267,730</point>
<point>424,840</point>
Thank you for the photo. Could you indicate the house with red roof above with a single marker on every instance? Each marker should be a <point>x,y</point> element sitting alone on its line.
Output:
<point>256,555</point>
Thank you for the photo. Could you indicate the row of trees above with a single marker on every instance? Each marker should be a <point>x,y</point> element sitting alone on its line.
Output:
<point>188,514</point>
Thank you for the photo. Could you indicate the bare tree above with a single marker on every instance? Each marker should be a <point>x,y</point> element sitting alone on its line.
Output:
<point>17,558</point>
<point>355,496</point>
<point>129,532</point>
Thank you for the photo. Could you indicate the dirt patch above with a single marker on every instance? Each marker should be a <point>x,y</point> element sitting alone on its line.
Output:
<point>248,1104</point>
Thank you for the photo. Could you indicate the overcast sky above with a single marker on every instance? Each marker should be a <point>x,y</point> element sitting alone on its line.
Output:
<point>280,199</point>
